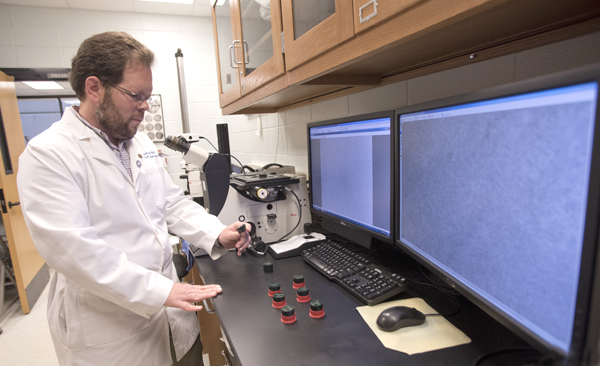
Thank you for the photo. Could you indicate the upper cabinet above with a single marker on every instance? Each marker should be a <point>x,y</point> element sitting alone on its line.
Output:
<point>333,48</point>
<point>248,40</point>
<point>367,13</point>
<point>225,40</point>
<point>312,27</point>
<point>261,40</point>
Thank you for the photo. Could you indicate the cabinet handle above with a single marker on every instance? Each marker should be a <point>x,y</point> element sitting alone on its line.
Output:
<point>11,204</point>
<point>208,310</point>
<point>360,11</point>
<point>234,58</point>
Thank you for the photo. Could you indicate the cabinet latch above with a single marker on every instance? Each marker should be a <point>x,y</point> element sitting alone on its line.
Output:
<point>360,11</point>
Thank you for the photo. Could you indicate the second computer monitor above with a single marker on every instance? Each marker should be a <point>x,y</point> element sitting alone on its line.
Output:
<point>350,164</point>
<point>498,194</point>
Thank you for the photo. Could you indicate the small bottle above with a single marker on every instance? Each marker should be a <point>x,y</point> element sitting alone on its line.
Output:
<point>316,309</point>
<point>279,300</point>
<point>303,294</point>
<point>274,288</point>
<point>298,281</point>
<point>288,314</point>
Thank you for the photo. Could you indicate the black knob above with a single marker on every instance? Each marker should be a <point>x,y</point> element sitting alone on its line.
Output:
<point>268,267</point>
<point>288,310</point>
<point>11,204</point>
<point>316,305</point>
<point>303,291</point>
<point>298,279</point>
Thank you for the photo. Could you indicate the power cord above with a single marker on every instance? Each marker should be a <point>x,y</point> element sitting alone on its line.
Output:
<point>213,146</point>
<point>442,292</point>
<point>440,287</point>
<point>542,360</point>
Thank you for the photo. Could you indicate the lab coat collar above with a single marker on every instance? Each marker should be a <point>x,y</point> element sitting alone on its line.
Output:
<point>97,147</point>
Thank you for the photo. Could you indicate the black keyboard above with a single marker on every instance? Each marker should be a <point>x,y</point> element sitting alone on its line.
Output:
<point>370,283</point>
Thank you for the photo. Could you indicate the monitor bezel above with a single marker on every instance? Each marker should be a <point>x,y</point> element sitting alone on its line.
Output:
<point>336,222</point>
<point>586,292</point>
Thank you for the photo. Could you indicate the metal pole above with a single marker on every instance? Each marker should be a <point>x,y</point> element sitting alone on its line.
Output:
<point>185,119</point>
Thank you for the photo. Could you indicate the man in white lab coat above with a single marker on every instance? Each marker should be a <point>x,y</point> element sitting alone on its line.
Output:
<point>99,206</point>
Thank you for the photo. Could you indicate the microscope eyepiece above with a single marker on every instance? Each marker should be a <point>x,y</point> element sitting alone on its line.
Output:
<point>177,143</point>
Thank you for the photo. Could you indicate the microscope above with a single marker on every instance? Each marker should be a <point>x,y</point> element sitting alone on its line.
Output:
<point>273,200</point>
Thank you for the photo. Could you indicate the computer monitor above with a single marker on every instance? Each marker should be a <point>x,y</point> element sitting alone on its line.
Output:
<point>498,194</point>
<point>350,165</point>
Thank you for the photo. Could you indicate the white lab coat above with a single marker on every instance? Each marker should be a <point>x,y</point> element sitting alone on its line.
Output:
<point>107,238</point>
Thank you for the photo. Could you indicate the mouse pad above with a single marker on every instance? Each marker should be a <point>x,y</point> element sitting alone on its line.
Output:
<point>435,333</point>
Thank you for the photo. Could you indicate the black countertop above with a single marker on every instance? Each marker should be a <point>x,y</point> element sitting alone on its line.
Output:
<point>259,337</point>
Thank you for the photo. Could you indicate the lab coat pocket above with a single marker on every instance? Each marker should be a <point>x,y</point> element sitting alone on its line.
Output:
<point>104,322</point>
<point>155,177</point>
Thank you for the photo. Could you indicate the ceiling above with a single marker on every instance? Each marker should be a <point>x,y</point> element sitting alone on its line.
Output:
<point>199,8</point>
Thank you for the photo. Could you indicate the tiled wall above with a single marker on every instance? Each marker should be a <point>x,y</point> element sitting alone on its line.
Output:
<point>49,37</point>
<point>39,37</point>
<point>283,137</point>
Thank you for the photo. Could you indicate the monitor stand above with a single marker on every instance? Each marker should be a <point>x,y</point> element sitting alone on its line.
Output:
<point>355,236</point>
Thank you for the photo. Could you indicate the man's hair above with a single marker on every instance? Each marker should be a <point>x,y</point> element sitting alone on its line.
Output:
<point>106,55</point>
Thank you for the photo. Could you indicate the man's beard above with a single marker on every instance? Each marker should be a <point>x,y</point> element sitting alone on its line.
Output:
<point>111,121</point>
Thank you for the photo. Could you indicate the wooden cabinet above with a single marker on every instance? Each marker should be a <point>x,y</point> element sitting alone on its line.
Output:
<point>312,27</point>
<point>248,45</point>
<point>367,13</point>
<point>347,46</point>
<point>225,33</point>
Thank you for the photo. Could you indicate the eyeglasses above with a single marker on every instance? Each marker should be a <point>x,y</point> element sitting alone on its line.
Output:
<point>138,98</point>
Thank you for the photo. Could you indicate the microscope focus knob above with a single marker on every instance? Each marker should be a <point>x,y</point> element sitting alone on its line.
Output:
<point>262,193</point>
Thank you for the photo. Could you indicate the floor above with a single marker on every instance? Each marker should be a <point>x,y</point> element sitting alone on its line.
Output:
<point>25,339</point>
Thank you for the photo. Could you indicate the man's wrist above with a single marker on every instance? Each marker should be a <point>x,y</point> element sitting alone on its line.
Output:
<point>219,245</point>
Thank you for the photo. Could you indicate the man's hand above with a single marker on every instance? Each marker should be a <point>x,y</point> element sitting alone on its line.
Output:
<point>230,237</point>
<point>183,295</point>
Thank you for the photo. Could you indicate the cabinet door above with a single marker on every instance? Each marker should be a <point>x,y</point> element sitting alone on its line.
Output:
<point>312,27</point>
<point>31,271</point>
<point>261,34</point>
<point>227,51</point>
<point>367,13</point>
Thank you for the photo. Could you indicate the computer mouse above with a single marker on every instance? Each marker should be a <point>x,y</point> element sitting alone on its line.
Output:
<point>399,317</point>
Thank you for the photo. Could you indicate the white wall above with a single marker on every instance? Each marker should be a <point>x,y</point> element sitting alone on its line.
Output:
<point>47,37</point>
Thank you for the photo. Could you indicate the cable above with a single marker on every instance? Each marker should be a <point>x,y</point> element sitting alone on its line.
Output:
<point>299,217</point>
<point>202,137</point>
<point>374,251</point>
<point>440,287</point>
<point>506,350</point>
<point>441,291</point>
<point>272,164</point>
<point>213,146</point>
<point>236,159</point>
